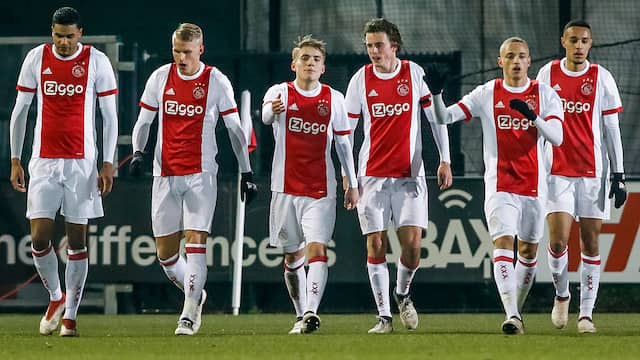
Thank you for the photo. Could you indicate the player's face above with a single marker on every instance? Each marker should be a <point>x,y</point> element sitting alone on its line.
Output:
<point>186,55</point>
<point>66,38</point>
<point>577,42</point>
<point>515,61</point>
<point>309,64</point>
<point>381,52</point>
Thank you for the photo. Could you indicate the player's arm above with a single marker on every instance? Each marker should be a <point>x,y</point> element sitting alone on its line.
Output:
<point>273,105</point>
<point>26,87</point>
<point>549,122</point>
<point>341,131</point>
<point>17,129</point>
<point>613,139</point>
<point>613,142</point>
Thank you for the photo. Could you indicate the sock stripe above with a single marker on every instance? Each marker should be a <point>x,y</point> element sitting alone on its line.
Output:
<point>555,254</point>
<point>292,269</point>
<point>318,258</point>
<point>591,261</point>
<point>78,256</point>
<point>42,253</point>
<point>170,261</point>
<point>503,258</point>
<point>410,267</point>
<point>376,260</point>
<point>528,264</point>
<point>190,249</point>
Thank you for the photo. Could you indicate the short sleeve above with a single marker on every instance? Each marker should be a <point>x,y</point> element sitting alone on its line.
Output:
<point>150,99</point>
<point>27,80</point>
<point>105,77</point>
<point>339,120</point>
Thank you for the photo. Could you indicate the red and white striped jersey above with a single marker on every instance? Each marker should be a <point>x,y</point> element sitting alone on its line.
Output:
<point>390,105</point>
<point>188,109</point>
<point>303,134</point>
<point>513,147</point>
<point>66,88</point>
<point>587,96</point>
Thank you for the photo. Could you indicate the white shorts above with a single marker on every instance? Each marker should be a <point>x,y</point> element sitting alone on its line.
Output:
<point>70,185</point>
<point>295,221</point>
<point>183,203</point>
<point>515,215</point>
<point>579,197</point>
<point>403,200</point>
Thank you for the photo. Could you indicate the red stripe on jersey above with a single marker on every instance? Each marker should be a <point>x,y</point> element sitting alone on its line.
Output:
<point>253,142</point>
<point>376,260</point>
<point>148,107</point>
<point>305,164</point>
<point>353,116</point>
<point>79,256</point>
<point>517,141</point>
<point>466,111</point>
<point>503,258</point>
<point>25,89</point>
<point>195,249</point>
<point>612,111</point>
<point>575,157</point>
<point>64,92</point>
<point>107,93</point>
<point>344,132</point>
<point>227,112</point>
<point>183,114</point>
<point>391,116</point>
<point>591,262</point>
<point>552,117</point>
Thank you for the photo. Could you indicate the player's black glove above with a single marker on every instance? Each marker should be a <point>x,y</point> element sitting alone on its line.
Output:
<point>435,78</point>
<point>618,189</point>
<point>248,189</point>
<point>135,166</point>
<point>523,108</point>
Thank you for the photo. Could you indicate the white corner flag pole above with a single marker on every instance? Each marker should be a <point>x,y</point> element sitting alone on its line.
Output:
<point>245,120</point>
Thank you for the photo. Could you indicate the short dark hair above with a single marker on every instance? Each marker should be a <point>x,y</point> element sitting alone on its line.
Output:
<point>66,16</point>
<point>385,26</point>
<point>576,22</point>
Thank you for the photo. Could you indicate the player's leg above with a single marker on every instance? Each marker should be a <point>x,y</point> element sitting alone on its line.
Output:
<point>589,272</point>
<point>44,198</point>
<point>526,268</point>
<point>558,257</point>
<point>530,232</point>
<point>75,273</point>
<point>295,278</point>
<point>45,259</point>
<point>168,251</point>
<point>374,214</point>
<point>503,212</point>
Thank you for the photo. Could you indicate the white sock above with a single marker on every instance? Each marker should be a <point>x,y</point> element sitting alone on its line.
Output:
<point>379,280</point>
<point>75,278</point>
<point>46,263</point>
<point>296,280</point>
<point>504,275</point>
<point>174,268</point>
<point>525,274</point>
<point>316,282</point>
<point>558,264</point>
<point>404,278</point>
<point>195,276</point>
<point>589,283</point>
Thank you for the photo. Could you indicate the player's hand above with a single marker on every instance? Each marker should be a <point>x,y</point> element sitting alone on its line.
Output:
<point>523,108</point>
<point>435,78</point>
<point>618,189</point>
<point>105,179</point>
<point>351,197</point>
<point>276,105</point>
<point>445,176</point>
<point>248,189</point>
<point>17,176</point>
<point>135,166</point>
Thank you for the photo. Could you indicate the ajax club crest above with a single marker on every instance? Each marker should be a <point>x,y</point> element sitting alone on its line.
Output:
<point>403,88</point>
<point>77,70</point>
<point>323,107</point>
<point>199,92</point>
<point>587,87</point>
<point>531,101</point>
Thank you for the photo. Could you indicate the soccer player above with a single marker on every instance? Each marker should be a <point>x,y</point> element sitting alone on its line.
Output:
<point>188,97</point>
<point>66,76</point>
<point>306,116</point>
<point>390,93</point>
<point>517,115</point>
<point>580,168</point>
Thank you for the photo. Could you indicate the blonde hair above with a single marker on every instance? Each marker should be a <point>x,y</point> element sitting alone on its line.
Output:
<point>310,41</point>
<point>512,40</point>
<point>188,32</point>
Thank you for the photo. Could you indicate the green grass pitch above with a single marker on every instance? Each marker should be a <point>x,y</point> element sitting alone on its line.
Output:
<point>264,336</point>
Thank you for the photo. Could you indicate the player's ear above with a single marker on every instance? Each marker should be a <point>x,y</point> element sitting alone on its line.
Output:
<point>323,68</point>
<point>293,66</point>
<point>499,61</point>
<point>201,49</point>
